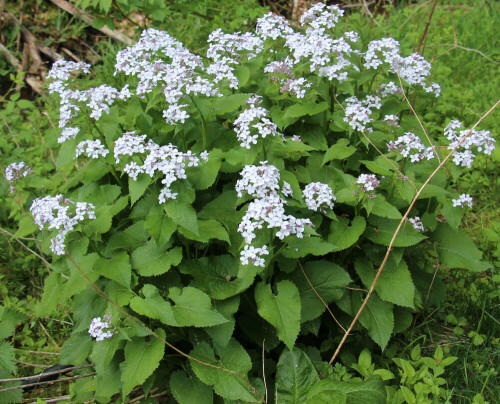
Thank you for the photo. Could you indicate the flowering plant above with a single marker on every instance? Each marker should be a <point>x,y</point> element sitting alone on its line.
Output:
<point>226,201</point>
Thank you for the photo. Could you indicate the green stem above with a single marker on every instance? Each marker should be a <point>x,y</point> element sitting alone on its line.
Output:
<point>203,123</point>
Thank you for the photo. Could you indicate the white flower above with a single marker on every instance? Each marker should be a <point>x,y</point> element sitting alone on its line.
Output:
<point>175,114</point>
<point>367,183</point>
<point>251,123</point>
<point>92,148</point>
<point>462,201</point>
<point>417,223</point>
<point>253,255</point>
<point>357,113</point>
<point>405,144</point>
<point>101,329</point>
<point>59,214</point>
<point>318,196</point>
<point>481,140</point>
<point>273,26</point>
<point>14,171</point>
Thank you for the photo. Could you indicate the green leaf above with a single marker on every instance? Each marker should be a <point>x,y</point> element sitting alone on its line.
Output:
<point>281,310</point>
<point>103,353</point>
<point>394,284</point>
<point>295,375</point>
<point>151,260</point>
<point>138,187</point>
<point>204,175</point>
<point>220,276</point>
<point>26,227</point>
<point>154,306</point>
<point>159,226</point>
<point>117,269</point>
<point>229,103</point>
<point>102,223</point>
<point>51,294</point>
<point>383,230</point>
<point>208,229</point>
<point>343,236</point>
<point>141,360</point>
<point>7,357</point>
<point>221,334</point>
<point>371,390</point>
<point>378,166</point>
<point>327,278</point>
<point>189,390</point>
<point>300,247</point>
<point>182,214</point>
<point>193,308</point>
<point>339,151</point>
<point>308,108</point>
<point>456,250</point>
<point>76,349</point>
<point>232,357</point>
<point>378,319</point>
<point>383,208</point>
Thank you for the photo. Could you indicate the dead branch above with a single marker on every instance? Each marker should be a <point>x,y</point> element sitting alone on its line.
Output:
<point>64,379</point>
<point>69,8</point>
<point>56,372</point>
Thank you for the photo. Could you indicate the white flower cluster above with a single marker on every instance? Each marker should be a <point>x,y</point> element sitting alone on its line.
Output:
<point>252,123</point>
<point>391,120</point>
<point>417,223</point>
<point>321,16</point>
<point>14,171</point>
<point>281,73</point>
<point>98,99</point>
<point>405,144</point>
<point>262,182</point>
<point>482,140</point>
<point>253,255</point>
<point>462,201</point>
<point>368,183</point>
<point>273,26</point>
<point>357,113</point>
<point>101,329</point>
<point>386,89</point>
<point>227,51</point>
<point>318,196</point>
<point>60,214</point>
<point>414,69</point>
<point>92,148</point>
<point>167,160</point>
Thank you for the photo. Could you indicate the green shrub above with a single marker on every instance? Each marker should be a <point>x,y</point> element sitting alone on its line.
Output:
<point>212,199</point>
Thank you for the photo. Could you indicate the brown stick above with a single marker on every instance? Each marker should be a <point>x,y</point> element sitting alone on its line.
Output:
<point>64,379</point>
<point>403,220</point>
<point>424,34</point>
<point>53,400</point>
<point>69,8</point>
<point>56,372</point>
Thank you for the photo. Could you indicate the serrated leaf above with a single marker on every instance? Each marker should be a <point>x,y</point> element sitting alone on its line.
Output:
<point>159,226</point>
<point>378,319</point>
<point>208,229</point>
<point>130,238</point>
<point>281,310</point>
<point>7,357</point>
<point>154,306</point>
<point>456,249</point>
<point>339,151</point>
<point>138,187</point>
<point>220,276</point>
<point>343,236</point>
<point>229,103</point>
<point>26,226</point>
<point>182,214</point>
<point>141,360</point>
<point>103,353</point>
<point>193,308</point>
<point>151,260</point>
<point>371,390</point>
<point>383,230</point>
<point>76,349</point>
<point>189,390</point>
<point>327,278</point>
<point>308,108</point>
<point>300,247</point>
<point>295,375</point>
<point>381,167</point>
<point>118,268</point>
<point>102,223</point>
<point>232,357</point>
<point>221,334</point>
<point>394,284</point>
<point>383,208</point>
<point>204,175</point>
